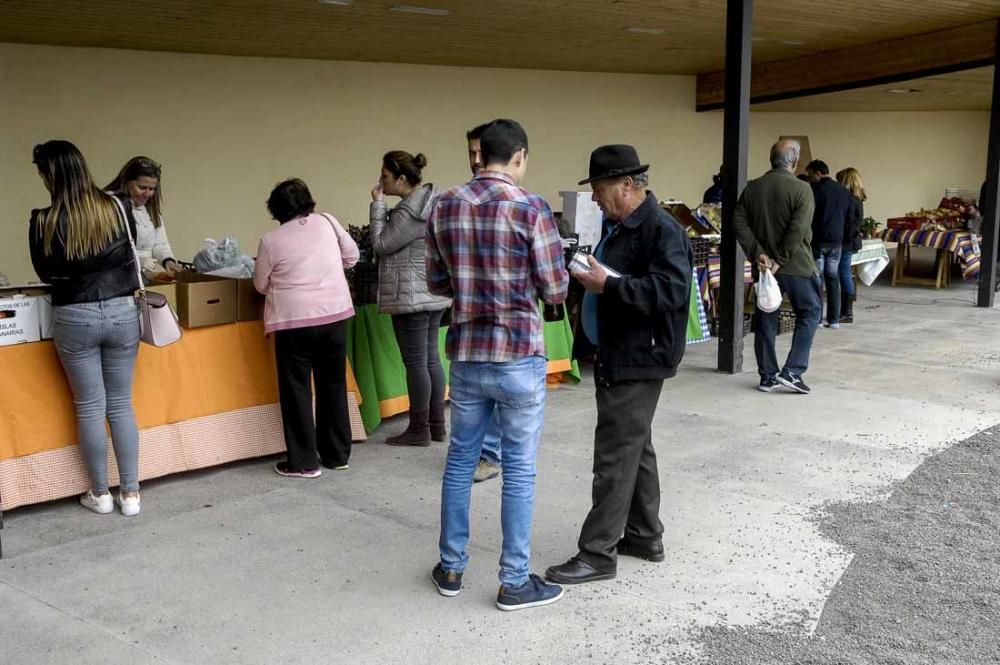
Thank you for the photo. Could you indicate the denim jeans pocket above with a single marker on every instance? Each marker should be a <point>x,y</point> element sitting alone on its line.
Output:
<point>522,383</point>
<point>73,336</point>
<point>125,334</point>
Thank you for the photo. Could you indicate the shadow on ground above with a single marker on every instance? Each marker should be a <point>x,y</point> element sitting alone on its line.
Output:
<point>924,585</point>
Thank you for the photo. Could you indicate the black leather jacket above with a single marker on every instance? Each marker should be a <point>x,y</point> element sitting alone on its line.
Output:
<point>107,275</point>
<point>642,315</point>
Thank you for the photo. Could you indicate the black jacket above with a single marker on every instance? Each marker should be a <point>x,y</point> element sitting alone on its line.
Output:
<point>852,226</point>
<point>834,203</point>
<point>642,315</point>
<point>107,275</point>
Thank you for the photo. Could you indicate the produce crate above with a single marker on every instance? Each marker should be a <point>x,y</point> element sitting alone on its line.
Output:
<point>702,248</point>
<point>907,223</point>
<point>786,322</point>
<point>363,281</point>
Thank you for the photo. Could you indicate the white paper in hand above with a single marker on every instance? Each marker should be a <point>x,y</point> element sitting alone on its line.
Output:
<point>768,292</point>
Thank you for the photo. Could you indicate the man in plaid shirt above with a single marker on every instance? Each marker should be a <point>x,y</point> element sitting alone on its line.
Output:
<point>493,247</point>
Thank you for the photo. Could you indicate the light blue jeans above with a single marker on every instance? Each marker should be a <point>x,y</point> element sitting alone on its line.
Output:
<point>516,391</point>
<point>828,264</point>
<point>491,442</point>
<point>97,343</point>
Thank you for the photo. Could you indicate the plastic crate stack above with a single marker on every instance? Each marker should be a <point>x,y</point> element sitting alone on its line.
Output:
<point>786,322</point>
<point>702,248</point>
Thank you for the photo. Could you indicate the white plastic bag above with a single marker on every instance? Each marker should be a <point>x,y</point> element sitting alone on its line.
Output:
<point>768,292</point>
<point>223,258</point>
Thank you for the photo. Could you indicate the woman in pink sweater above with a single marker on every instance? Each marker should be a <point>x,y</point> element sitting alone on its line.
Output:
<point>300,268</point>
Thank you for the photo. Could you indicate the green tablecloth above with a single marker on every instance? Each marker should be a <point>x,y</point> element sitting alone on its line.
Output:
<point>381,376</point>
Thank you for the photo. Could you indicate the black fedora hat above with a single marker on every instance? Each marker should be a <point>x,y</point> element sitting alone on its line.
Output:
<point>614,161</point>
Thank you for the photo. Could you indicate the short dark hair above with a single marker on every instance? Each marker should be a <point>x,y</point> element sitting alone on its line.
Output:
<point>290,199</point>
<point>501,139</point>
<point>476,132</point>
<point>818,166</point>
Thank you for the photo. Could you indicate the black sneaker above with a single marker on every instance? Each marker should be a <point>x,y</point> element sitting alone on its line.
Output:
<point>792,382</point>
<point>283,469</point>
<point>533,593</point>
<point>768,384</point>
<point>448,582</point>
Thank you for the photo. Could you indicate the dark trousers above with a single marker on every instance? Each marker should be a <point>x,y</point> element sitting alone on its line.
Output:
<point>317,354</point>
<point>417,337</point>
<point>804,293</point>
<point>626,490</point>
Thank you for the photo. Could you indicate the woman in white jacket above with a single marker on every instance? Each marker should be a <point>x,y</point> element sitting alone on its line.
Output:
<point>139,179</point>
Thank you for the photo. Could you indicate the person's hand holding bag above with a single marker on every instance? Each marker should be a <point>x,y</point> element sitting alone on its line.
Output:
<point>768,292</point>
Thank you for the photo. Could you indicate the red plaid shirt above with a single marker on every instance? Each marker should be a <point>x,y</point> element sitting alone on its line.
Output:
<point>494,248</point>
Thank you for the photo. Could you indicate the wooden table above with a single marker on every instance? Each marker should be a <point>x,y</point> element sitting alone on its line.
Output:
<point>959,246</point>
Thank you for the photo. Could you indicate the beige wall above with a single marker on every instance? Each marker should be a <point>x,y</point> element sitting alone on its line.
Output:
<point>226,129</point>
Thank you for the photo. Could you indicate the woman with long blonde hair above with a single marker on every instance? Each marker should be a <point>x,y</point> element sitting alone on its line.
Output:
<point>80,245</point>
<point>851,179</point>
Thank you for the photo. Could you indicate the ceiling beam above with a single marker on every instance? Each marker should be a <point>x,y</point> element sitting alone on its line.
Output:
<point>891,61</point>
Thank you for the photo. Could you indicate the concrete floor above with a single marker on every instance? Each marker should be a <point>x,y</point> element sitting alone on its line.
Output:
<point>237,565</point>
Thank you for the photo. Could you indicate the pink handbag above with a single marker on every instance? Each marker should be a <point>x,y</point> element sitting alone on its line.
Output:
<point>157,322</point>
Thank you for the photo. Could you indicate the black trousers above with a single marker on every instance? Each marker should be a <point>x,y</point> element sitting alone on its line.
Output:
<point>317,354</point>
<point>626,491</point>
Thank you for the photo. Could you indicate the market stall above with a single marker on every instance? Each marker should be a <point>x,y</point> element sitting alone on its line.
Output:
<point>949,230</point>
<point>209,399</point>
<point>373,352</point>
<point>958,246</point>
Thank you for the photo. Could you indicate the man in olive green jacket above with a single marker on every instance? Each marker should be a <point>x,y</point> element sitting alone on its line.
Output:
<point>773,223</point>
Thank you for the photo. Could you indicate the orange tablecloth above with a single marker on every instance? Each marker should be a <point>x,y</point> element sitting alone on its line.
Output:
<point>210,371</point>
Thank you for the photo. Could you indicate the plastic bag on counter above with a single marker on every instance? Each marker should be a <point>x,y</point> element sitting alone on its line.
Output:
<point>223,258</point>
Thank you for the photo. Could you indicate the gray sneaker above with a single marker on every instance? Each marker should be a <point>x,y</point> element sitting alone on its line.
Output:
<point>485,470</point>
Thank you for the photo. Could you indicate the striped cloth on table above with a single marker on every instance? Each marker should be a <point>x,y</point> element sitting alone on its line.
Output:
<point>962,244</point>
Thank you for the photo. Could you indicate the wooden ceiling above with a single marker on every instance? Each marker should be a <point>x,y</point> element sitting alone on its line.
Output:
<point>963,91</point>
<point>581,35</point>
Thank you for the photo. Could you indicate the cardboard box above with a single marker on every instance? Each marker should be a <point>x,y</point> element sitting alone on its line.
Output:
<point>19,319</point>
<point>205,300</point>
<point>169,290</point>
<point>249,302</point>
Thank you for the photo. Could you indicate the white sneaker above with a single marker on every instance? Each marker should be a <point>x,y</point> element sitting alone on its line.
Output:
<point>128,504</point>
<point>99,503</point>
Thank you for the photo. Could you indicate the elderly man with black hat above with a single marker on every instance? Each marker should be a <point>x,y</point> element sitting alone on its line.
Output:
<point>635,315</point>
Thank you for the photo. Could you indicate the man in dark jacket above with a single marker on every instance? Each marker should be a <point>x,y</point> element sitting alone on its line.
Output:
<point>834,205</point>
<point>635,314</point>
<point>773,224</point>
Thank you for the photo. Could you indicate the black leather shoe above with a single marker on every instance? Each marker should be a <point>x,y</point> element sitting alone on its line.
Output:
<point>577,571</point>
<point>651,552</point>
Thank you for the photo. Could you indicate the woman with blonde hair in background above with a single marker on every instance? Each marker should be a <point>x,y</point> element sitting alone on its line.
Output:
<point>851,179</point>
<point>80,245</point>
<point>139,181</point>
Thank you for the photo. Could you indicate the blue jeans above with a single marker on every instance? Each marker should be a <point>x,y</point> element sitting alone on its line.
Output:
<point>828,264</point>
<point>491,442</point>
<point>846,277</point>
<point>97,343</point>
<point>804,293</point>
<point>516,391</point>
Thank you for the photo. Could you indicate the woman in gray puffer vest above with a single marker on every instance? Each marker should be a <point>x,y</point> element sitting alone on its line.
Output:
<point>398,237</point>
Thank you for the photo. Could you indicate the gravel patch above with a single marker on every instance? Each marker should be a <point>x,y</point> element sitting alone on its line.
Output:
<point>924,585</point>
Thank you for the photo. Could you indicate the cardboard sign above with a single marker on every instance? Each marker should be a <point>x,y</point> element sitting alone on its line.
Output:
<point>19,320</point>
<point>584,216</point>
